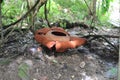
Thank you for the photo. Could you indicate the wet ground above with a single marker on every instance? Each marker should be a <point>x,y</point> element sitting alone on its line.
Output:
<point>23,59</point>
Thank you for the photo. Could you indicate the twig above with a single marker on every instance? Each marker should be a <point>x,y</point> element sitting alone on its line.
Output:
<point>108,36</point>
<point>92,13</point>
<point>116,48</point>
<point>45,12</point>
<point>1,27</point>
<point>6,37</point>
<point>103,37</point>
<point>88,6</point>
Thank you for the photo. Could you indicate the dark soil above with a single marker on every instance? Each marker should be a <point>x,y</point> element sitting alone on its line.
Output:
<point>24,59</point>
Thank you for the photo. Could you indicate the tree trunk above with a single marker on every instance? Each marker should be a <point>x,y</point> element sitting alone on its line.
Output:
<point>94,8</point>
<point>94,12</point>
<point>1,28</point>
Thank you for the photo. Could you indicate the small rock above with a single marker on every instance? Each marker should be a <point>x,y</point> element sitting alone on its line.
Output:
<point>34,79</point>
<point>54,61</point>
<point>59,75</point>
<point>82,64</point>
<point>33,51</point>
<point>73,76</point>
<point>36,52</point>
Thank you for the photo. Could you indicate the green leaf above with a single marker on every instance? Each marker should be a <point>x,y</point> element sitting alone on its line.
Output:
<point>111,73</point>
<point>4,61</point>
<point>23,71</point>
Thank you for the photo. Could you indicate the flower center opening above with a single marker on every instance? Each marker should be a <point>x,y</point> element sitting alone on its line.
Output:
<point>58,33</point>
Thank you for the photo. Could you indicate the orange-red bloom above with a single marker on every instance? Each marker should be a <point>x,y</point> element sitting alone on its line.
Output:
<point>57,37</point>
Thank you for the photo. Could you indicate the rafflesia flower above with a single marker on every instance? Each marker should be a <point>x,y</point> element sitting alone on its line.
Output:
<point>58,38</point>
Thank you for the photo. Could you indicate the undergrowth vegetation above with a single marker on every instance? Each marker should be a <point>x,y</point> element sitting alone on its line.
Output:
<point>71,10</point>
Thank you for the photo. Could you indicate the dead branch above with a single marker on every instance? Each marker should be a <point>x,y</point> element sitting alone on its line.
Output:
<point>108,36</point>
<point>103,37</point>
<point>30,4</point>
<point>45,12</point>
<point>88,7</point>
<point>1,27</point>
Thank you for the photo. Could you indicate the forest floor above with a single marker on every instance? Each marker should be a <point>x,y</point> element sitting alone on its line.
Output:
<point>22,60</point>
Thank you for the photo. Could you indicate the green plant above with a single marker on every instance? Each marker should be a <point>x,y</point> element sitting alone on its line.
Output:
<point>12,10</point>
<point>72,10</point>
<point>23,71</point>
<point>102,10</point>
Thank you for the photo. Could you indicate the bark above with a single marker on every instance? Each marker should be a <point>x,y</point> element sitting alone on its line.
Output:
<point>93,12</point>
<point>94,8</point>
<point>1,27</point>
